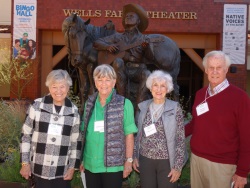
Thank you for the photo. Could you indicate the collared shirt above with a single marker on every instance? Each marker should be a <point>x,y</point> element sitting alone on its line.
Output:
<point>218,88</point>
<point>93,156</point>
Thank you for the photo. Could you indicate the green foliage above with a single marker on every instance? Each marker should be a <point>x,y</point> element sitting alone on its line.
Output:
<point>21,75</point>
<point>76,182</point>
<point>185,174</point>
<point>185,105</point>
<point>17,72</point>
<point>12,117</point>
<point>133,180</point>
<point>5,74</point>
<point>5,71</point>
<point>74,98</point>
<point>9,170</point>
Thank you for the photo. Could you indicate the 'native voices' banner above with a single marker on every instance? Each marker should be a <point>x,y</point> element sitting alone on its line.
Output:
<point>24,29</point>
<point>235,32</point>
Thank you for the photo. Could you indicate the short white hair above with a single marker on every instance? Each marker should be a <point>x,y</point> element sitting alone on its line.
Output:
<point>218,54</point>
<point>160,75</point>
<point>57,76</point>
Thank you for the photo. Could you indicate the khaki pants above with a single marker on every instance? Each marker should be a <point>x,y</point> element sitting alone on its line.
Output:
<point>207,174</point>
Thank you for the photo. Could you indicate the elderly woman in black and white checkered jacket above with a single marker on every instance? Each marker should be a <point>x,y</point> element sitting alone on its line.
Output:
<point>50,139</point>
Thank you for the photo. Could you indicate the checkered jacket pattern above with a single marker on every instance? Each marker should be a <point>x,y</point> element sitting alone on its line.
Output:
<point>50,155</point>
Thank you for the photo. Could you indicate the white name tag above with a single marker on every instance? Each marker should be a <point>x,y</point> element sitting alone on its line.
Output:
<point>202,108</point>
<point>55,129</point>
<point>149,130</point>
<point>99,126</point>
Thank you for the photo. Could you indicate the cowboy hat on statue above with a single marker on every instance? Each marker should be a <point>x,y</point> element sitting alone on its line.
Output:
<point>141,13</point>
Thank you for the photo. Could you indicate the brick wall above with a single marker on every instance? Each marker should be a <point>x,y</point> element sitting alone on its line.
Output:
<point>240,77</point>
<point>50,16</point>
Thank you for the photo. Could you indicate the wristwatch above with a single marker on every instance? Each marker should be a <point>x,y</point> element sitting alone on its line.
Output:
<point>129,159</point>
<point>25,164</point>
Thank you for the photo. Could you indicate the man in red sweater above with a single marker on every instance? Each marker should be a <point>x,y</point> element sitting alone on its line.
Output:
<point>220,129</point>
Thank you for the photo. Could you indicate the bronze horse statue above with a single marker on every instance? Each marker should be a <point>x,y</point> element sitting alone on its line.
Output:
<point>79,36</point>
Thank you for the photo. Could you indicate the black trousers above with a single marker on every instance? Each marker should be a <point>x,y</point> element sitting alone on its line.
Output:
<point>54,183</point>
<point>104,180</point>
<point>154,173</point>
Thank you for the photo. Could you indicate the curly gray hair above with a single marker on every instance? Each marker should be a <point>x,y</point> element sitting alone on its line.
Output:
<point>160,75</point>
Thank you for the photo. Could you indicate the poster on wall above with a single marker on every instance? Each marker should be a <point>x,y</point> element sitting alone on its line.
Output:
<point>24,29</point>
<point>235,32</point>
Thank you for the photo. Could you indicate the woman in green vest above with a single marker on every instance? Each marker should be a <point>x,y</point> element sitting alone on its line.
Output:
<point>108,133</point>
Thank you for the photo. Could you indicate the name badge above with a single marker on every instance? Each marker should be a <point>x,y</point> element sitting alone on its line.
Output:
<point>202,108</point>
<point>55,129</point>
<point>149,130</point>
<point>99,126</point>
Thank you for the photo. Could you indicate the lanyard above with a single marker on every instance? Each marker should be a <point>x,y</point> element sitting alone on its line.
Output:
<point>205,100</point>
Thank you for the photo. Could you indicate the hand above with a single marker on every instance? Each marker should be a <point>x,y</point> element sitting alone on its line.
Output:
<point>136,165</point>
<point>26,171</point>
<point>127,169</point>
<point>239,182</point>
<point>82,169</point>
<point>174,174</point>
<point>112,49</point>
<point>69,174</point>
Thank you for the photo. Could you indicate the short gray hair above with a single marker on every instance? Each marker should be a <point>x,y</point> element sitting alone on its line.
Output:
<point>218,54</point>
<point>57,76</point>
<point>104,71</point>
<point>160,75</point>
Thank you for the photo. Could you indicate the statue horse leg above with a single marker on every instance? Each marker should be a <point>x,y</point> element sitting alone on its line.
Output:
<point>90,69</point>
<point>83,87</point>
<point>176,90</point>
<point>119,67</point>
<point>142,92</point>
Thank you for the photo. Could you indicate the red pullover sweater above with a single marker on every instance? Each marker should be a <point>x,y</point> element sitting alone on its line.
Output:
<point>222,134</point>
